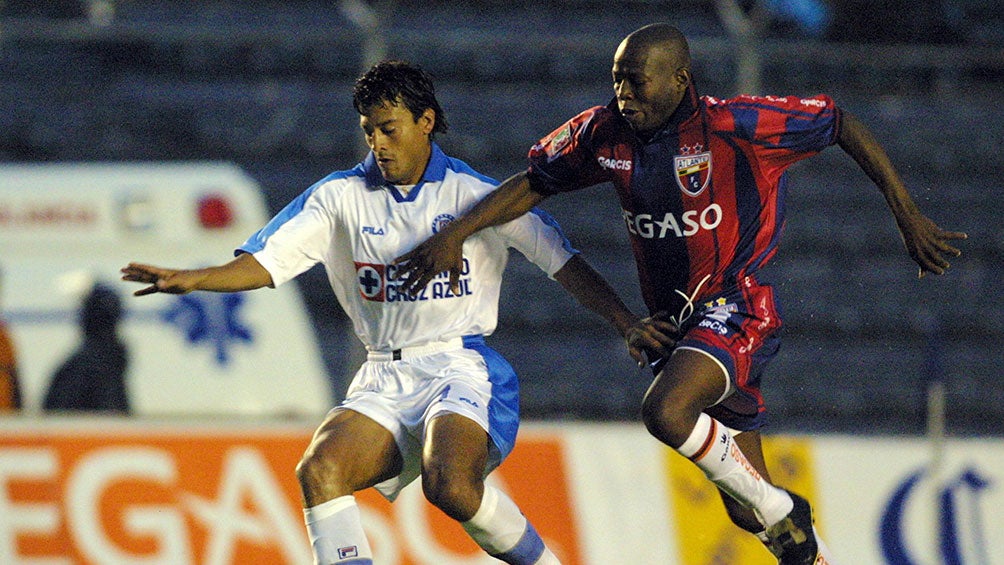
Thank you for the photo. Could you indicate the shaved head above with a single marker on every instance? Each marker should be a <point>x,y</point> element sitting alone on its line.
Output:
<point>662,39</point>
<point>651,75</point>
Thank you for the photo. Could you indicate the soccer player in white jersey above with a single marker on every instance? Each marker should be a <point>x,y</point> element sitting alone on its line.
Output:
<point>432,400</point>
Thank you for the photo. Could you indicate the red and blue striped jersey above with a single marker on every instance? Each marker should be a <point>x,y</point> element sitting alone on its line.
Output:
<point>703,197</point>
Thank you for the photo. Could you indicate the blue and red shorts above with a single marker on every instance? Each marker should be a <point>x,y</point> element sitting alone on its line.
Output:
<point>739,329</point>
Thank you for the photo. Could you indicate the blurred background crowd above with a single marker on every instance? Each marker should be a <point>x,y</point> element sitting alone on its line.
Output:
<point>267,85</point>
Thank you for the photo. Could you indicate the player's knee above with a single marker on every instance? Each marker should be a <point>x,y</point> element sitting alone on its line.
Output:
<point>666,420</point>
<point>457,496</point>
<point>321,476</point>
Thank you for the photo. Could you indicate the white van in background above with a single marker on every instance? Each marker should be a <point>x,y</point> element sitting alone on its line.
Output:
<point>64,227</point>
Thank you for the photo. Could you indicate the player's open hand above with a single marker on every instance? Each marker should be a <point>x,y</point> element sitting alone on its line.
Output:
<point>435,255</point>
<point>650,338</point>
<point>169,281</point>
<point>929,245</point>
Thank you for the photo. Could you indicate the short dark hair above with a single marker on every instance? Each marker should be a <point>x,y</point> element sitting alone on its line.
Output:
<point>397,81</point>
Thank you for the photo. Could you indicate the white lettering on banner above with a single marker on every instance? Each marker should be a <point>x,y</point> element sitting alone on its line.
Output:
<point>245,477</point>
<point>247,474</point>
<point>99,471</point>
<point>643,225</point>
<point>39,519</point>
<point>380,534</point>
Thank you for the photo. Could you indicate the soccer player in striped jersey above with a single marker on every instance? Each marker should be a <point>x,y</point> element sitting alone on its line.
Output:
<point>701,186</point>
<point>432,399</point>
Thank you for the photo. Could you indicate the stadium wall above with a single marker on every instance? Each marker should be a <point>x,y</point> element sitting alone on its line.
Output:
<point>102,490</point>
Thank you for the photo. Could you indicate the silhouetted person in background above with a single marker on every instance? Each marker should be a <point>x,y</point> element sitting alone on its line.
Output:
<point>93,377</point>
<point>10,389</point>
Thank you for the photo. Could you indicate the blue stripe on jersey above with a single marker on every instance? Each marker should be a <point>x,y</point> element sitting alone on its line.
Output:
<point>779,213</point>
<point>795,125</point>
<point>795,138</point>
<point>257,240</point>
<point>458,166</point>
<point>756,106</point>
<point>503,408</point>
<point>747,202</point>
<point>664,263</point>
<point>553,224</point>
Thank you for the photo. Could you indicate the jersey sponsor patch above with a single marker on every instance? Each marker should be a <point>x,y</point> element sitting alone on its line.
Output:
<point>693,172</point>
<point>371,281</point>
<point>382,283</point>
<point>558,141</point>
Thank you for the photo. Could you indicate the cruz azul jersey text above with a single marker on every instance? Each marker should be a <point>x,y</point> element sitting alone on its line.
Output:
<point>704,196</point>
<point>356,225</point>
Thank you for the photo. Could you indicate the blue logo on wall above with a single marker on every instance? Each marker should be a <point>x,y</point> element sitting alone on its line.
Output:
<point>210,318</point>
<point>958,518</point>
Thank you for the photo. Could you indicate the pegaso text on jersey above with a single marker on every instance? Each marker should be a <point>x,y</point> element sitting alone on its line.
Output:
<point>648,227</point>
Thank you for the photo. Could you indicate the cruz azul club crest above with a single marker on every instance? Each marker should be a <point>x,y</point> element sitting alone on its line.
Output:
<point>440,222</point>
<point>693,172</point>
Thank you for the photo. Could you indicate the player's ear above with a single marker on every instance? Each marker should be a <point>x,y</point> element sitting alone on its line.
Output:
<point>427,121</point>
<point>683,76</point>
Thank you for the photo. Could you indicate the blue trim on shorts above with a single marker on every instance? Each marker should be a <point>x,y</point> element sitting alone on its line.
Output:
<point>503,408</point>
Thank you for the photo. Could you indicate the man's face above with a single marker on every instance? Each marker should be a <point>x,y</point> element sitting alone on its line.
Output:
<point>400,144</point>
<point>649,86</point>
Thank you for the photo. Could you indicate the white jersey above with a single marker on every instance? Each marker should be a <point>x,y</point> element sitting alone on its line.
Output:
<point>356,224</point>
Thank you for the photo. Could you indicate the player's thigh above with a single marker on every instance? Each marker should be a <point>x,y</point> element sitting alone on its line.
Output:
<point>356,450</point>
<point>455,449</point>
<point>690,379</point>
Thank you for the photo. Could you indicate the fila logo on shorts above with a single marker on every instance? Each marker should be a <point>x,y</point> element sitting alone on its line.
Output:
<point>350,551</point>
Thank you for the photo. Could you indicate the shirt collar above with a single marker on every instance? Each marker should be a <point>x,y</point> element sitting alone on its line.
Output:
<point>435,170</point>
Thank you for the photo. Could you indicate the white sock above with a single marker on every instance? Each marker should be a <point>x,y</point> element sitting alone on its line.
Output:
<point>336,533</point>
<point>503,532</point>
<point>823,551</point>
<point>711,447</point>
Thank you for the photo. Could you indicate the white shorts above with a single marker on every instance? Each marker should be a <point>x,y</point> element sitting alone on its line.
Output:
<point>403,392</point>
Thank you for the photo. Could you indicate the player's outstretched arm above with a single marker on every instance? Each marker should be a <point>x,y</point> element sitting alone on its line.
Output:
<point>643,336</point>
<point>243,273</point>
<point>444,250</point>
<point>927,244</point>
